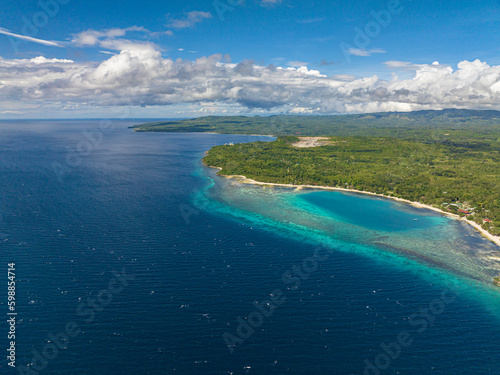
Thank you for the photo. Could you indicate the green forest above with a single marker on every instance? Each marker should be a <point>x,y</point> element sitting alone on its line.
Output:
<point>448,159</point>
<point>460,124</point>
<point>461,177</point>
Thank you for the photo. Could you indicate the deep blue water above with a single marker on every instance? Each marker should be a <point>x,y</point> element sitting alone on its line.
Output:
<point>128,204</point>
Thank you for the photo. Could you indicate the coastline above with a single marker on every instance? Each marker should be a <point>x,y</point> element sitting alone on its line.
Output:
<point>483,232</point>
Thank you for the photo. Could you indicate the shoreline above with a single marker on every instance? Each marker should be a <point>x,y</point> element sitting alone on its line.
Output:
<point>483,232</point>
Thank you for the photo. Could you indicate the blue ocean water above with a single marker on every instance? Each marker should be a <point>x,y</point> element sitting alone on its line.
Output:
<point>366,211</point>
<point>203,249</point>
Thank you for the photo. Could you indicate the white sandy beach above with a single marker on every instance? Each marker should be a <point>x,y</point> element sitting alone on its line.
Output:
<point>245,180</point>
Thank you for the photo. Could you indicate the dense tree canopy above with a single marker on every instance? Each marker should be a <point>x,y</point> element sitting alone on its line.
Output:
<point>449,158</point>
<point>450,175</point>
<point>429,125</point>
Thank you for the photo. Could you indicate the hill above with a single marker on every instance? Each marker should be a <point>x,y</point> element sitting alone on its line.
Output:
<point>459,124</point>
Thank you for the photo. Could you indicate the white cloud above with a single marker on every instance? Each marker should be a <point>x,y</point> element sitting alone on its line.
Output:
<point>344,77</point>
<point>12,112</point>
<point>139,76</point>
<point>112,38</point>
<point>297,64</point>
<point>364,52</point>
<point>191,19</point>
<point>30,39</point>
<point>402,65</point>
<point>43,60</point>
<point>94,37</point>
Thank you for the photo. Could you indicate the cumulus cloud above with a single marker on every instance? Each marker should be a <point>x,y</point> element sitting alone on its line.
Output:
<point>138,75</point>
<point>191,19</point>
<point>364,52</point>
<point>344,77</point>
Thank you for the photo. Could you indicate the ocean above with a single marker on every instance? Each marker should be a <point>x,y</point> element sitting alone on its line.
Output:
<point>131,257</point>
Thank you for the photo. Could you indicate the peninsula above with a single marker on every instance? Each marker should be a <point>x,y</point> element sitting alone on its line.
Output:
<point>447,160</point>
<point>450,178</point>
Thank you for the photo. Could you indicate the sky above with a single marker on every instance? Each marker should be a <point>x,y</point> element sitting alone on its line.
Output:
<point>169,59</point>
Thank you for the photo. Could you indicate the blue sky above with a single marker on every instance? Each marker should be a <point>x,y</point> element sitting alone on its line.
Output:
<point>320,35</point>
